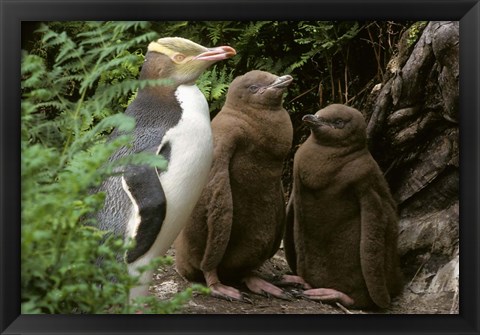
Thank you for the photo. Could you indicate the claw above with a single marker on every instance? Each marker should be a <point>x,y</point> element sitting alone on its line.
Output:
<point>260,286</point>
<point>223,297</point>
<point>222,291</point>
<point>286,296</point>
<point>265,294</point>
<point>296,293</point>
<point>230,296</point>
<point>246,298</point>
<point>225,292</point>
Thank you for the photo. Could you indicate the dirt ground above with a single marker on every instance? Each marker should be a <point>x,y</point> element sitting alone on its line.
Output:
<point>167,282</point>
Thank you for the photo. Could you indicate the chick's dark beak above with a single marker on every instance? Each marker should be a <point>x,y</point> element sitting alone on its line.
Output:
<point>312,120</point>
<point>309,118</point>
<point>281,82</point>
<point>218,53</point>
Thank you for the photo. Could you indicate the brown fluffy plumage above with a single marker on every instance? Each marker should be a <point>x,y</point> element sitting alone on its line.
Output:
<point>238,223</point>
<point>341,218</point>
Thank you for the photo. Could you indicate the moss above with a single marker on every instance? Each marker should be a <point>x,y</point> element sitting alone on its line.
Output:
<point>414,32</point>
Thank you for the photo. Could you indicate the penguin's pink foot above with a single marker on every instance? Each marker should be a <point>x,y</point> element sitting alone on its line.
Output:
<point>260,286</point>
<point>328,295</point>
<point>229,293</point>
<point>221,291</point>
<point>292,280</point>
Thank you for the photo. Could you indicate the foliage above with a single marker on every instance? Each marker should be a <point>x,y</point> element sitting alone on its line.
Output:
<point>72,92</point>
<point>214,85</point>
<point>329,61</point>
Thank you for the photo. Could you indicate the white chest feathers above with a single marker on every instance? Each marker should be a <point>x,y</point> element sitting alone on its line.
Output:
<point>191,144</point>
<point>191,154</point>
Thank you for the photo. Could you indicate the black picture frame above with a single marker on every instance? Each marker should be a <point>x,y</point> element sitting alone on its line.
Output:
<point>13,12</point>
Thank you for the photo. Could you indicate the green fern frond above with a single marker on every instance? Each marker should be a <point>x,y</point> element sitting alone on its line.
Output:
<point>68,50</point>
<point>123,26</point>
<point>33,71</point>
<point>218,91</point>
<point>125,87</point>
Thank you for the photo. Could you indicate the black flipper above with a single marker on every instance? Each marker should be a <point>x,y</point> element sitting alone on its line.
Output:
<point>145,188</point>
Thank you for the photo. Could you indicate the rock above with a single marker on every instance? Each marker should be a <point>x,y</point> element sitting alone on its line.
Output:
<point>446,279</point>
<point>445,45</point>
<point>413,133</point>
<point>430,162</point>
<point>435,231</point>
<point>402,115</point>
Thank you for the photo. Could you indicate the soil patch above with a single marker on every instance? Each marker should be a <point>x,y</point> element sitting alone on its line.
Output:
<point>167,282</point>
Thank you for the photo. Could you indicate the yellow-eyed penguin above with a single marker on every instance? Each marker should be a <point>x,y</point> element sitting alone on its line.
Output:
<point>143,203</point>
<point>239,220</point>
<point>341,234</point>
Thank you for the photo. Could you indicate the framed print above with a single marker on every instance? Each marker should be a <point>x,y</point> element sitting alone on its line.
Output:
<point>330,184</point>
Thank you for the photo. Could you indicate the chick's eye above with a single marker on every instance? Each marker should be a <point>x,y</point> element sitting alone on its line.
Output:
<point>339,123</point>
<point>253,88</point>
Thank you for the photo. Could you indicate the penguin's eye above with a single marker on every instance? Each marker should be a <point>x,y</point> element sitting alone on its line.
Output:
<point>253,88</point>
<point>178,58</point>
<point>338,123</point>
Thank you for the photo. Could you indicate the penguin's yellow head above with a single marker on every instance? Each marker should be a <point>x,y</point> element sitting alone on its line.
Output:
<point>184,60</point>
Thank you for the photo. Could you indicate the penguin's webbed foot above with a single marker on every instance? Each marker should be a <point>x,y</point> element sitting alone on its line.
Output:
<point>218,290</point>
<point>328,295</point>
<point>221,291</point>
<point>262,287</point>
<point>291,280</point>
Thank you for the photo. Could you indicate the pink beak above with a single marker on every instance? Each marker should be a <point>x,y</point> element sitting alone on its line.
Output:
<point>218,53</point>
